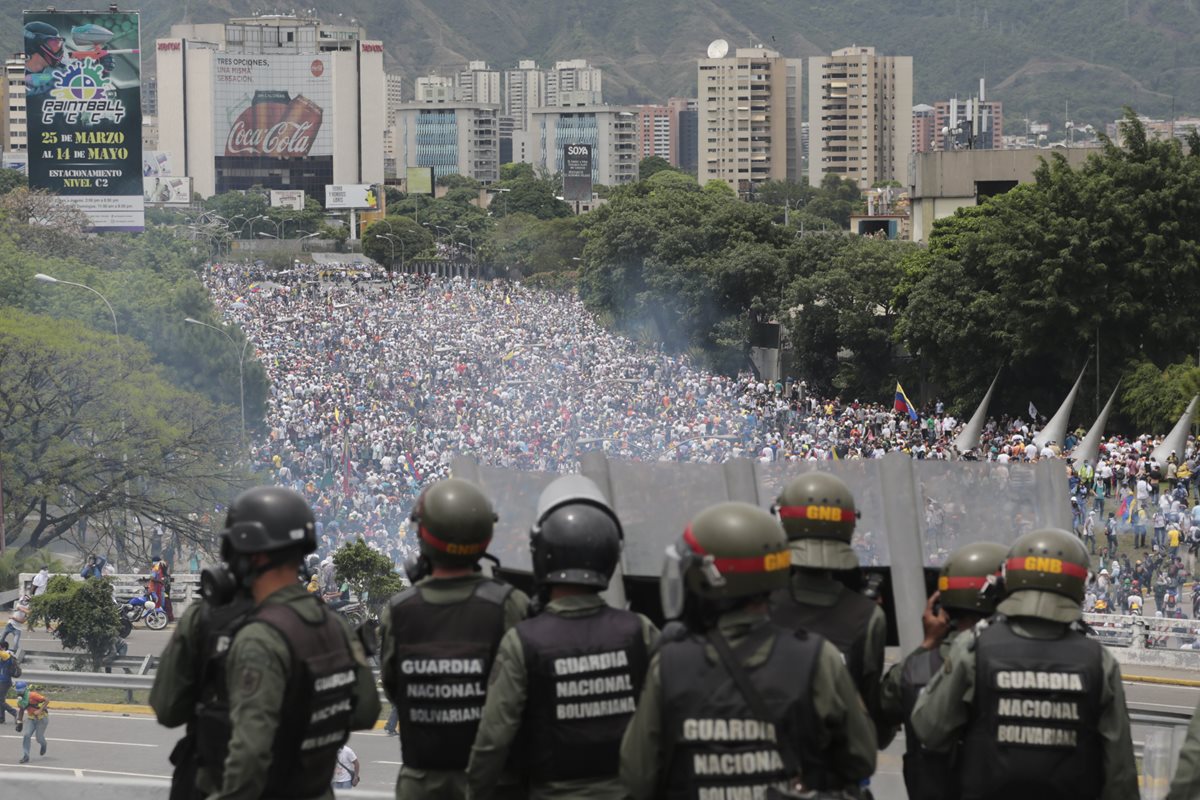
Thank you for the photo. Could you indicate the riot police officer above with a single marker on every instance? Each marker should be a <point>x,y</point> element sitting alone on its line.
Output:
<point>440,638</point>
<point>269,681</point>
<point>818,512</point>
<point>968,588</point>
<point>734,704</point>
<point>566,681</point>
<point>1185,785</point>
<point>1035,708</point>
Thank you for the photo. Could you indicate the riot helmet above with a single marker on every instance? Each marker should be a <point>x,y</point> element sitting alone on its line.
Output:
<point>818,513</point>
<point>577,537</point>
<point>969,581</point>
<point>729,551</point>
<point>454,522</point>
<point>1045,575</point>
<point>266,519</point>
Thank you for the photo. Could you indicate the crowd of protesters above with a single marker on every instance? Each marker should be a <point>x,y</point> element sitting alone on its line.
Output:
<point>377,383</point>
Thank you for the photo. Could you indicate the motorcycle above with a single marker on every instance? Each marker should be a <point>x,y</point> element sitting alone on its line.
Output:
<point>143,609</point>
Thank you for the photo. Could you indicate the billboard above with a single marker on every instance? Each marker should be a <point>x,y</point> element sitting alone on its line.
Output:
<point>577,172</point>
<point>351,195</point>
<point>288,198</point>
<point>167,191</point>
<point>157,164</point>
<point>419,180</point>
<point>272,106</point>
<point>84,108</point>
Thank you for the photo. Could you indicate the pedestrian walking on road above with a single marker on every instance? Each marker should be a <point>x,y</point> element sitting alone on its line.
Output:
<point>8,667</point>
<point>345,774</point>
<point>36,706</point>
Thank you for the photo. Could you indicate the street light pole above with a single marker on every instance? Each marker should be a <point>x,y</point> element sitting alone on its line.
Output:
<point>391,241</point>
<point>241,367</point>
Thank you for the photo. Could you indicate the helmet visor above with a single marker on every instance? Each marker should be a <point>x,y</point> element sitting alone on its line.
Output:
<point>672,591</point>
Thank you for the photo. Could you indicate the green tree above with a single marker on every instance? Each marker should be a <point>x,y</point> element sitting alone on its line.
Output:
<point>1153,399</point>
<point>396,235</point>
<point>651,165</point>
<point>370,573</point>
<point>89,430</point>
<point>534,196</point>
<point>11,179</point>
<point>86,616</point>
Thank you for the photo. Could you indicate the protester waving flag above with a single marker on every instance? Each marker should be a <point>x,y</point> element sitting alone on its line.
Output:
<point>904,404</point>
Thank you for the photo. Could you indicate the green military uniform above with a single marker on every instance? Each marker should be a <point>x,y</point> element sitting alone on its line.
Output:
<point>842,729</point>
<point>425,784</point>
<point>176,687</point>
<point>505,707</point>
<point>943,710</point>
<point>259,665</point>
<point>820,589</point>
<point>891,699</point>
<point>1186,783</point>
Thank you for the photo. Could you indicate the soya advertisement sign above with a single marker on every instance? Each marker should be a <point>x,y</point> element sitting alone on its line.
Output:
<point>272,106</point>
<point>84,109</point>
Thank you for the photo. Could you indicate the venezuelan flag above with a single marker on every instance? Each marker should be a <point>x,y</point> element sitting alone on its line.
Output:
<point>1125,511</point>
<point>904,404</point>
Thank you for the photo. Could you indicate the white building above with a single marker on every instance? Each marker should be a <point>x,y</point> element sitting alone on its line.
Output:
<point>524,90</point>
<point>611,130</point>
<point>479,83</point>
<point>278,101</point>
<point>435,89</point>
<point>14,132</point>
<point>574,83</point>
<point>453,138</point>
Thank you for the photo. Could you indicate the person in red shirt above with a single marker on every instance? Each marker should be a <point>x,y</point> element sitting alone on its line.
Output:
<point>36,706</point>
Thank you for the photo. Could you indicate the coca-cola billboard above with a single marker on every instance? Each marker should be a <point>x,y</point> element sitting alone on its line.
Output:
<point>282,121</point>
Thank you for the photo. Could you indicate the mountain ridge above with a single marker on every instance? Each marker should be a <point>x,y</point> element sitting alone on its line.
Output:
<point>1044,59</point>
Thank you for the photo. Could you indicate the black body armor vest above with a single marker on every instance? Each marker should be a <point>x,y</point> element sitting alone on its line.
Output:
<point>318,703</point>
<point>1033,731</point>
<point>844,625</point>
<point>210,727</point>
<point>927,775</point>
<point>444,654</point>
<point>585,676</point>
<point>716,745</point>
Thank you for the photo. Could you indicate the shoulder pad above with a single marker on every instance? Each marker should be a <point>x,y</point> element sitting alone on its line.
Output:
<point>494,591</point>
<point>404,596</point>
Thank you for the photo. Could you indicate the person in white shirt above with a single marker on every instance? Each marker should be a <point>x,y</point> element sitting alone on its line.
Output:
<point>1134,601</point>
<point>16,623</point>
<point>345,774</point>
<point>40,580</point>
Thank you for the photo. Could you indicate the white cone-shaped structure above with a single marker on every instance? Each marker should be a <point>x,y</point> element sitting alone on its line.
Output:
<point>1089,448</point>
<point>968,439</point>
<point>1177,439</point>
<point>1056,428</point>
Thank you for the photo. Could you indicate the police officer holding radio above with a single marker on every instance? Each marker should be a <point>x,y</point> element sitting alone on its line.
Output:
<point>734,705</point>
<point>269,681</point>
<point>1034,708</point>
<point>566,681</point>
<point>968,588</point>
<point>818,513</point>
<point>439,639</point>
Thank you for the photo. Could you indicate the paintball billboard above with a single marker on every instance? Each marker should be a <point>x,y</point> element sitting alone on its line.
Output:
<point>84,108</point>
<point>272,106</point>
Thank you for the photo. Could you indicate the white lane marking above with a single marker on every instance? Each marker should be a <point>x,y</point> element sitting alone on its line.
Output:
<point>392,763</point>
<point>107,715</point>
<point>84,770</point>
<point>78,773</point>
<point>86,741</point>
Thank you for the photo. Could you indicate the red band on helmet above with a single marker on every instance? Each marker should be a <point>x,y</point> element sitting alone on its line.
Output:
<point>962,582</point>
<point>451,548</point>
<point>769,562</point>
<point>818,513</point>
<point>1045,564</point>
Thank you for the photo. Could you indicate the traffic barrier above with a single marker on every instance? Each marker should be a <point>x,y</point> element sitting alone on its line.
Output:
<point>185,586</point>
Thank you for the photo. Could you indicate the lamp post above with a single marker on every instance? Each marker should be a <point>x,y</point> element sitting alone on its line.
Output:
<point>44,278</point>
<point>241,367</point>
<point>391,240</point>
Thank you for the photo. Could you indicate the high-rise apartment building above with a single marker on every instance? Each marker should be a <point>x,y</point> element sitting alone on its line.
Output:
<point>654,131</point>
<point>968,124</point>
<point>479,83</point>
<point>283,102</point>
<point>748,110</point>
<point>683,133</point>
<point>435,89</point>
<point>860,116</point>
<point>922,128</point>
<point>610,130</point>
<point>454,138</point>
<point>394,91</point>
<point>524,90</point>
<point>14,132</point>
<point>574,83</point>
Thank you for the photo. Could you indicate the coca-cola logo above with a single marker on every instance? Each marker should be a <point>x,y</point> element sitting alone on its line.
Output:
<point>275,129</point>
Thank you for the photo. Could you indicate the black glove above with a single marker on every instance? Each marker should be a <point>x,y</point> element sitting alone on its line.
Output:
<point>20,726</point>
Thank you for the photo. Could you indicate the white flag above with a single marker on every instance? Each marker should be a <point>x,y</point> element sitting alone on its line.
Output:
<point>1032,411</point>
